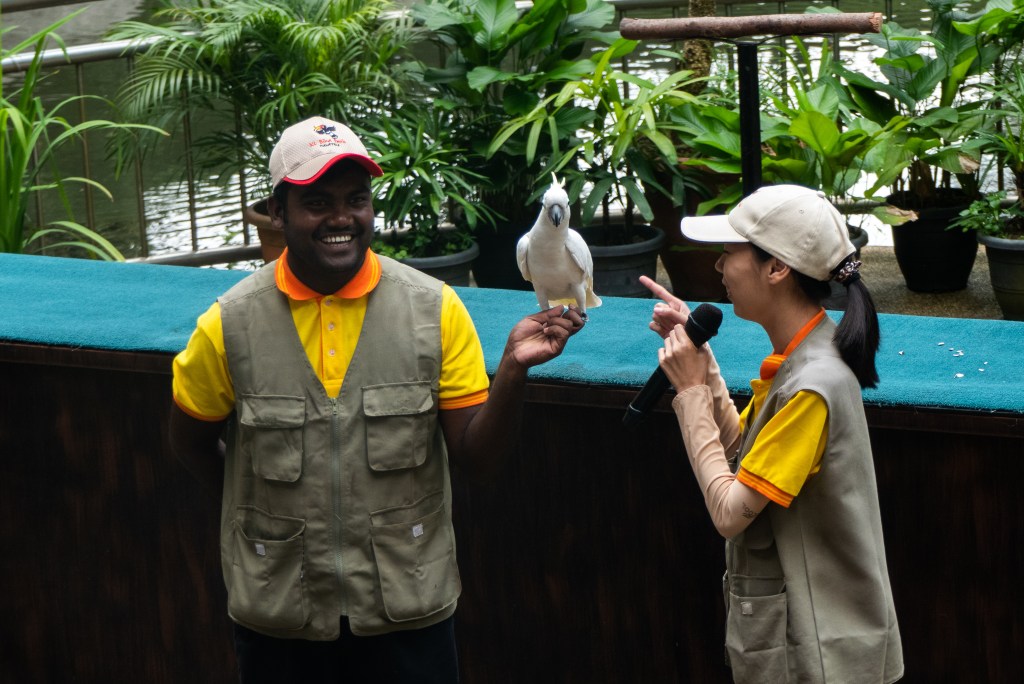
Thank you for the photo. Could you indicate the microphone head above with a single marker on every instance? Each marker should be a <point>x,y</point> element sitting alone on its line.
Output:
<point>703,323</point>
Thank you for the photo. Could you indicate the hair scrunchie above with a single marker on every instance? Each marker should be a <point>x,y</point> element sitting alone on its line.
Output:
<point>848,273</point>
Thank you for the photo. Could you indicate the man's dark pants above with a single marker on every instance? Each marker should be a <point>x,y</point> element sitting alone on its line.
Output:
<point>419,656</point>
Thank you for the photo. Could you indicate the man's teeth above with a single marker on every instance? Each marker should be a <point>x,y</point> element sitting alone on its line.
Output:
<point>336,239</point>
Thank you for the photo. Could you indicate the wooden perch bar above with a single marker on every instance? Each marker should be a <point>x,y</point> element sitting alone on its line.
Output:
<point>757,25</point>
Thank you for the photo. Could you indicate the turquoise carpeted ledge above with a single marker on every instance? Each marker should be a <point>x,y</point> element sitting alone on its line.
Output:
<point>924,361</point>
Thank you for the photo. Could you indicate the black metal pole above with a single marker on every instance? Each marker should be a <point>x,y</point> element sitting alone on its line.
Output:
<point>750,117</point>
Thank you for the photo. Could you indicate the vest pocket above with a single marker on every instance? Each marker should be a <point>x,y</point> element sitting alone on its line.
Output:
<point>399,424</point>
<point>414,547</point>
<point>755,631</point>
<point>266,586</point>
<point>271,435</point>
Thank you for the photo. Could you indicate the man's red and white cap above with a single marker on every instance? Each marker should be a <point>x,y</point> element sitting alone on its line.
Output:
<point>307,149</point>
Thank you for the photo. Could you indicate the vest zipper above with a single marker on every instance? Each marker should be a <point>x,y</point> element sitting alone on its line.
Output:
<point>336,498</point>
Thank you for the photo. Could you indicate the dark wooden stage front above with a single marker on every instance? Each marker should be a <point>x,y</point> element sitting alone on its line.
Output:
<point>589,560</point>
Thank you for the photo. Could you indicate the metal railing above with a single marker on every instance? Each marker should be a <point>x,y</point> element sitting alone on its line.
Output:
<point>10,6</point>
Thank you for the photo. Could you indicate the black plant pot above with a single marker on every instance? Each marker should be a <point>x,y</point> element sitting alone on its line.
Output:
<point>618,267</point>
<point>1006,271</point>
<point>451,268</point>
<point>932,257</point>
<point>496,264</point>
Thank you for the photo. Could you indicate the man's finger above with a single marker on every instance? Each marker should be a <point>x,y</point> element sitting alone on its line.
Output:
<point>573,317</point>
<point>571,323</point>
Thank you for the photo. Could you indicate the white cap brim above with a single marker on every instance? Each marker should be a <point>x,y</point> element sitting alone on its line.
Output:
<point>710,229</point>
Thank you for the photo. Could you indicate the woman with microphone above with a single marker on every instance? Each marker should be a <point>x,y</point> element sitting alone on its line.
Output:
<point>789,481</point>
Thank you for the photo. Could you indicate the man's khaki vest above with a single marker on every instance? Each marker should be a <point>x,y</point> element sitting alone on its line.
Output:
<point>807,588</point>
<point>339,506</point>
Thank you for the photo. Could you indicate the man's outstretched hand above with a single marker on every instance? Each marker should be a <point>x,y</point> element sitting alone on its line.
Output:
<point>542,336</point>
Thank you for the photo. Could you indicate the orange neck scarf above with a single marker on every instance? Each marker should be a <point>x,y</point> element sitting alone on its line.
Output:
<point>770,366</point>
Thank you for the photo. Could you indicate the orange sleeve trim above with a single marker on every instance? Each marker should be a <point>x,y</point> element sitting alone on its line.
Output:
<point>765,487</point>
<point>197,416</point>
<point>474,399</point>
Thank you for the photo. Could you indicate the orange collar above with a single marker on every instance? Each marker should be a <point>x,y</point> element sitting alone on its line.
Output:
<point>361,284</point>
<point>770,366</point>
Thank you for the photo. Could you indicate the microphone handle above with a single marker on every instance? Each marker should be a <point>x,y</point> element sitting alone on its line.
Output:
<point>656,386</point>
<point>700,327</point>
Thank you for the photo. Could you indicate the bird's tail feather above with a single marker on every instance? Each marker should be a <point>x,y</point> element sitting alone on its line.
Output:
<point>593,301</point>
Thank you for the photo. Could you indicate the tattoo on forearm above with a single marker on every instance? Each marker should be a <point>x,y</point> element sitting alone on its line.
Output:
<point>747,512</point>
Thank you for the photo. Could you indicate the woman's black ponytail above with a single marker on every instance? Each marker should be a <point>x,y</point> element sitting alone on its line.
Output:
<point>857,336</point>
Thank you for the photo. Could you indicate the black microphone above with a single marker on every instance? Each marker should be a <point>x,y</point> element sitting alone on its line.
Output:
<point>700,327</point>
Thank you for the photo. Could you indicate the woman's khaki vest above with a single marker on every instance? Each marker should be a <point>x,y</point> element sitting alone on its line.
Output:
<point>341,506</point>
<point>807,588</point>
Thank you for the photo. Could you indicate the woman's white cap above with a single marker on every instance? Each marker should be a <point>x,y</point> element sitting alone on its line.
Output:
<point>795,224</point>
<point>307,149</point>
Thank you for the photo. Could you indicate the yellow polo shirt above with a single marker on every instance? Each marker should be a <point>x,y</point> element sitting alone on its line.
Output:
<point>329,328</point>
<point>788,449</point>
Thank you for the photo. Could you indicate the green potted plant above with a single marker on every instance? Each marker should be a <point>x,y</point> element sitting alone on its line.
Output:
<point>818,139</point>
<point>811,135</point>
<point>614,150</point>
<point>997,221</point>
<point>999,226</point>
<point>498,61</point>
<point>821,141</point>
<point>32,135</point>
<point>929,79</point>
<point>251,68</point>
<point>428,196</point>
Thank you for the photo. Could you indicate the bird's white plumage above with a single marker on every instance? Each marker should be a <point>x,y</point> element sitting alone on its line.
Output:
<point>555,258</point>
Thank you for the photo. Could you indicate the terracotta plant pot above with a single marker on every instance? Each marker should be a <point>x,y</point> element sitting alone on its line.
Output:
<point>271,239</point>
<point>690,265</point>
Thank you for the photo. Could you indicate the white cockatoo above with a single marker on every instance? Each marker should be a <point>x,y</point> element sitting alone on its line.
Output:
<point>555,258</point>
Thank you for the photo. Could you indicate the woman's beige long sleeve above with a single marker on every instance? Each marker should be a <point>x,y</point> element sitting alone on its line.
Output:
<point>710,427</point>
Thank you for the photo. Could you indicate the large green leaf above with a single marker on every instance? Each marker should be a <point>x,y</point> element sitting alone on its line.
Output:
<point>817,131</point>
<point>497,17</point>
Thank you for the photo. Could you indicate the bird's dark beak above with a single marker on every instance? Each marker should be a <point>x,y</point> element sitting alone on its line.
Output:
<point>556,214</point>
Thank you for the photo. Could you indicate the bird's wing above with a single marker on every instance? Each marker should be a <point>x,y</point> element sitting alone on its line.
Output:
<point>522,247</point>
<point>580,253</point>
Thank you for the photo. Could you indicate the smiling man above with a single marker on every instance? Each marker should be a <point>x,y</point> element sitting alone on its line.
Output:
<point>323,397</point>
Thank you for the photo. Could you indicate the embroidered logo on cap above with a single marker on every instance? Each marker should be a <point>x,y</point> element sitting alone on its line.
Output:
<point>324,129</point>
